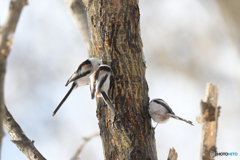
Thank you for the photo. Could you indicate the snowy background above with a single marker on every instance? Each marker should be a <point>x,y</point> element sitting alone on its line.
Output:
<point>186,44</point>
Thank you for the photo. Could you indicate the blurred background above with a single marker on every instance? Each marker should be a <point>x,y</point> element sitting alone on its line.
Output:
<point>186,43</point>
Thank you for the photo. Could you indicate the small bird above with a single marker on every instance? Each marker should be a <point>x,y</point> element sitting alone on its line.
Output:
<point>99,85</point>
<point>80,77</point>
<point>160,112</point>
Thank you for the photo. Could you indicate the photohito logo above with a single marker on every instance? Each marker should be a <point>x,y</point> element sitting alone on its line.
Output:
<point>213,154</point>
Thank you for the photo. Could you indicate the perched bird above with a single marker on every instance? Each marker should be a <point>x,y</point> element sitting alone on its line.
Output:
<point>99,85</point>
<point>80,77</point>
<point>160,112</point>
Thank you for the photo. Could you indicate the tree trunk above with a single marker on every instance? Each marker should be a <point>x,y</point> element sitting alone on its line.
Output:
<point>115,38</point>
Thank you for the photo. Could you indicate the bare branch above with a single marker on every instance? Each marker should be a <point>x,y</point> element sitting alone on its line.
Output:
<point>172,155</point>
<point>20,139</point>
<point>6,39</point>
<point>75,157</point>
<point>230,12</point>
<point>8,29</point>
<point>77,9</point>
<point>2,114</point>
<point>209,119</point>
<point>2,108</point>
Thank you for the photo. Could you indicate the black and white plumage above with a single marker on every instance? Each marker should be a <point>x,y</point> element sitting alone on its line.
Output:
<point>80,77</point>
<point>160,112</point>
<point>99,85</point>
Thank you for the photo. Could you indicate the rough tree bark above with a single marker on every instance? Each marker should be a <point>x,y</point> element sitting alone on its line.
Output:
<point>115,38</point>
<point>209,119</point>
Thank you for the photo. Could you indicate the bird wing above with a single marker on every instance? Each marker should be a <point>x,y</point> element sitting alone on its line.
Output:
<point>96,82</point>
<point>102,80</point>
<point>93,84</point>
<point>83,69</point>
<point>84,65</point>
<point>76,76</point>
<point>164,104</point>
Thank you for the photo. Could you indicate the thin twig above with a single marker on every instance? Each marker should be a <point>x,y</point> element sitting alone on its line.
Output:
<point>172,155</point>
<point>209,119</point>
<point>75,157</point>
<point>20,139</point>
<point>77,9</point>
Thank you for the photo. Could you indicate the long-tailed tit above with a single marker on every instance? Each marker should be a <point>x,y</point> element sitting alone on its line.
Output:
<point>80,77</point>
<point>160,112</point>
<point>99,85</point>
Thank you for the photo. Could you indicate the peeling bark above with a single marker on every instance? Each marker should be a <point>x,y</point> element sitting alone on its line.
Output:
<point>115,38</point>
<point>172,155</point>
<point>209,119</point>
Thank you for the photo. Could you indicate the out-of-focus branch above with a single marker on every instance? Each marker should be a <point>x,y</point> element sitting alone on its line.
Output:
<point>8,28</point>
<point>77,9</point>
<point>75,157</point>
<point>2,114</point>
<point>172,155</point>
<point>20,139</point>
<point>231,13</point>
<point>6,39</point>
<point>209,119</point>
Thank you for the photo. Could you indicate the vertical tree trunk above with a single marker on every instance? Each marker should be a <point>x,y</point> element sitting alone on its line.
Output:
<point>115,37</point>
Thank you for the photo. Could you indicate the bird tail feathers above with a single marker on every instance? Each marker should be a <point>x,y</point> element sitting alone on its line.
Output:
<point>108,102</point>
<point>179,118</point>
<point>64,99</point>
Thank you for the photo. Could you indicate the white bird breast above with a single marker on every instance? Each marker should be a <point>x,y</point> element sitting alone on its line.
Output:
<point>158,112</point>
<point>83,81</point>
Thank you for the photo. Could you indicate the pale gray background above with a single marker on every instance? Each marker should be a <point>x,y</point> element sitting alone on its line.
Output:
<point>186,45</point>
